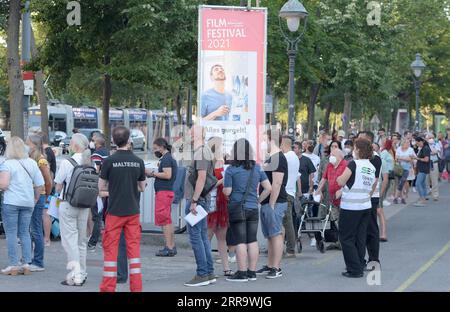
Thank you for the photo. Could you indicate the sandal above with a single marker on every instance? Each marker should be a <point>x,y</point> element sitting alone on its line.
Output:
<point>227,273</point>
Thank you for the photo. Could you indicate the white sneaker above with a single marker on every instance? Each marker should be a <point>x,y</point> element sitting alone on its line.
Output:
<point>35,268</point>
<point>414,189</point>
<point>232,259</point>
<point>386,203</point>
<point>313,242</point>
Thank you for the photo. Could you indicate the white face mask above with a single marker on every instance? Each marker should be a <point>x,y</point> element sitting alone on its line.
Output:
<point>333,160</point>
<point>347,151</point>
<point>413,142</point>
<point>27,150</point>
<point>354,155</point>
<point>91,145</point>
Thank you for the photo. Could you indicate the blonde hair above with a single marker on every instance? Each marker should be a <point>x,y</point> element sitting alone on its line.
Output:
<point>15,149</point>
<point>38,152</point>
<point>82,143</point>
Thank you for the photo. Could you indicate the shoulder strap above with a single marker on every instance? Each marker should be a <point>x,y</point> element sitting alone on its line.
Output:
<point>25,170</point>
<point>72,161</point>
<point>248,186</point>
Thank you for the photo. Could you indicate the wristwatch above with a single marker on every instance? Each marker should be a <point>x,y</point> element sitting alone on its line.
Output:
<point>195,201</point>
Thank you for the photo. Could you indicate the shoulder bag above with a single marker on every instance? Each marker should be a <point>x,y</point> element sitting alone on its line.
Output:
<point>236,209</point>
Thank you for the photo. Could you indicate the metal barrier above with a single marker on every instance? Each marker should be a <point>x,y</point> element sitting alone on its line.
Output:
<point>147,207</point>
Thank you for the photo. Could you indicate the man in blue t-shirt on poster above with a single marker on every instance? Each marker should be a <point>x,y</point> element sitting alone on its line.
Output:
<point>215,103</point>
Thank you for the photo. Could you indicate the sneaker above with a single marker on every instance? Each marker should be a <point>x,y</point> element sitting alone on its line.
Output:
<point>395,201</point>
<point>403,201</point>
<point>419,204</point>
<point>11,270</point>
<point>414,189</point>
<point>174,250</point>
<point>198,281</point>
<point>232,259</point>
<point>386,203</point>
<point>264,270</point>
<point>212,278</point>
<point>239,276</point>
<point>25,269</point>
<point>274,273</point>
<point>313,242</point>
<point>165,252</point>
<point>36,268</point>
<point>91,248</point>
<point>251,275</point>
<point>47,243</point>
<point>228,273</point>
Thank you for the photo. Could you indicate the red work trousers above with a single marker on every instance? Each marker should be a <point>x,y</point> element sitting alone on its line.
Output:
<point>132,230</point>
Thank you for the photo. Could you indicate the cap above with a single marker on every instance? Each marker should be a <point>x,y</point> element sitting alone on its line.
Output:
<point>341,133</point>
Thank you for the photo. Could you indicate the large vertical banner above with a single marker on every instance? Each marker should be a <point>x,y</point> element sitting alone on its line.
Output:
<point>231,73</point>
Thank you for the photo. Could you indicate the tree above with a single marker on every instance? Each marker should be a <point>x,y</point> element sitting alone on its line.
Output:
<point>14,71</point>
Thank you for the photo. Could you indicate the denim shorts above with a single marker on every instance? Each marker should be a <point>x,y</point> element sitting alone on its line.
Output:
<point>272,219</point>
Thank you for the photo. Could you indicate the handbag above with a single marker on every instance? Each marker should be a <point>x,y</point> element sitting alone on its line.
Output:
<point>398,170</point>
<point>236,209</point>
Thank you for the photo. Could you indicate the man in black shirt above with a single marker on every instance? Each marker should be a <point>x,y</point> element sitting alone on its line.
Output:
<point>306,170</point>
<point>373,232</point>
<point>274,207</point>
<point>123,176</point>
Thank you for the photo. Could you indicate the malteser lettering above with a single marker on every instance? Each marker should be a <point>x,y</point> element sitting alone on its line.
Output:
<point>125,164</point>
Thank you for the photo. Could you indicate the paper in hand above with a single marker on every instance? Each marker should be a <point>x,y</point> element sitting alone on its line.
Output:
<point>194,219</point>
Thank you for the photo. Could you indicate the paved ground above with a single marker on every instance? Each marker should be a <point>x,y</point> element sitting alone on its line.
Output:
<point>415,259</point>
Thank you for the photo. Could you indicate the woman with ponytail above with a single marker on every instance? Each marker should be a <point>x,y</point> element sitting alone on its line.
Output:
<point>164,179</point>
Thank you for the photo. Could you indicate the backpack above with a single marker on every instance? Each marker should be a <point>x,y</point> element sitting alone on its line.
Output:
<point>82,190</point>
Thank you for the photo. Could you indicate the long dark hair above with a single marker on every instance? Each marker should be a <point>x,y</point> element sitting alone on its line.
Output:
<point>163,143</point>
<point>242,154</point>
<point>338,144</point>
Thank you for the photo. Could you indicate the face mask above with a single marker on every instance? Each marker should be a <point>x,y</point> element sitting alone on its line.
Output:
<point>333,160</point>
<point>263,145</point>
<point>347,150</point>
<point>27,149</point>
<point>430,141</point>
<point>354,155</point>
<point>158,154</point>
<point>91,145</point>
<point>413,142</point>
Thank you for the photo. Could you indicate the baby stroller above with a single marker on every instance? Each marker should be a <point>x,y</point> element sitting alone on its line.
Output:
<point>313,225</point>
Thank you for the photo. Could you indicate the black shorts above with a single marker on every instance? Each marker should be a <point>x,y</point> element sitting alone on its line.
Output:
<point>375,202</point>
<point>244,232</point>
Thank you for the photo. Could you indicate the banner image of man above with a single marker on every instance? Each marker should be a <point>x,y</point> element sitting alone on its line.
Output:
<point>216,102</point>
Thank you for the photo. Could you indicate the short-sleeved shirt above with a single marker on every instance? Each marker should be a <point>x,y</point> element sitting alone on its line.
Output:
<point>166,161</point>
<point>99,156</point>
<point>306,169</point>
<point>123,170</point>
<point>422,166</point>
<point>276,163</point>
<point>211,100</point>
<point>293,169</point>
<point>237,179</point>
<point>387,162</point>
<point>331,174</point>
<point>20,191</point>
<point>65,170</point>
<point>316,162</point>
<point>406,165</point>
<point>51,159</point>
<point>202,160</point>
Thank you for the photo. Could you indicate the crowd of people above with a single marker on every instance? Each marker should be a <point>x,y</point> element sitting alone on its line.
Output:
<point>354,175</point>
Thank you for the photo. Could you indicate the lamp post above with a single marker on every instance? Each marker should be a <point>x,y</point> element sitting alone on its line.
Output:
<point>418,66</point>
<point>293,12</point>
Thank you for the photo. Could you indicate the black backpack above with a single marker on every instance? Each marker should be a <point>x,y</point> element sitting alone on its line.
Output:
<point>82,190</point>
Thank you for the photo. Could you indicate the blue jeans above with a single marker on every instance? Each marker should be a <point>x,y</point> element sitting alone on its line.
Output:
<point>37,232</point>
<point>421,184</point>
<point>198,236</point>
<point>16,221</point>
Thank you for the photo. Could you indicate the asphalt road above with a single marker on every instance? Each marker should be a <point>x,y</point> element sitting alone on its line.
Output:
<point>415,259</point>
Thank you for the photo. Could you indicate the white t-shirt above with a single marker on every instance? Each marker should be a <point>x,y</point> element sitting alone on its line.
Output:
<point>406,165</point>
<point>316,162</point>
<point>293,172</point>
<point>20,191</point>
<point>65,171</point>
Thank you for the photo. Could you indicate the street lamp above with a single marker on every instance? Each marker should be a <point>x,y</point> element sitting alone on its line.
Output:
<point>418,66</point>
<point>293,12</point>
